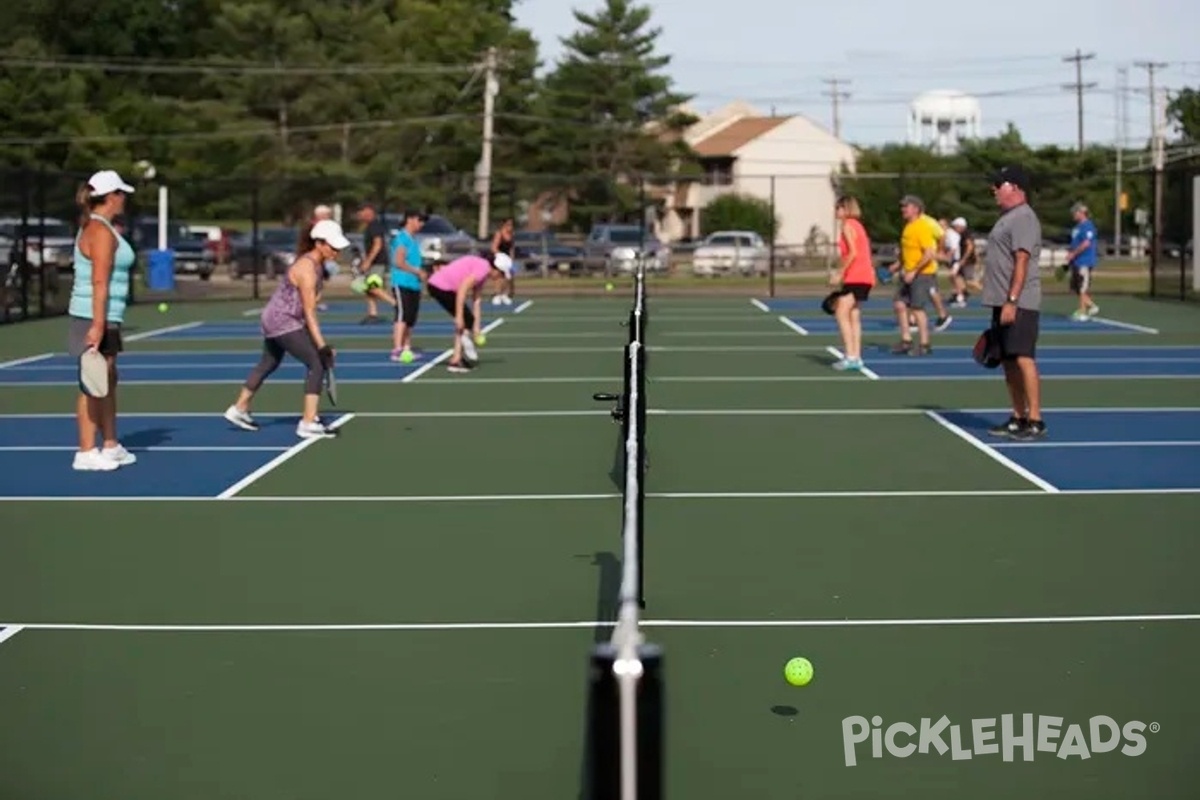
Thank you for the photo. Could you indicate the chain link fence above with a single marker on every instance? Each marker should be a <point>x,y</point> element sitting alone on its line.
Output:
<point>229,239</point>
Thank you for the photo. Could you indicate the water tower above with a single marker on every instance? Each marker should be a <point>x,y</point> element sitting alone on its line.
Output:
<point>943,118</point>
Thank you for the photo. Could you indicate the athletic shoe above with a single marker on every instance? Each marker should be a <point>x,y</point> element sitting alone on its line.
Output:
<point>1009,429</point>
<point>1030,431</point>
<point>943,323</point>
<point>921,350</point>
<point>1093,310</point>
<point>94,461</point>
<point>460,368</point>
<point>901,347</point>
<point>313,430</point>
<point>241,418</point>
<point>468,345</point>
<point>845,364</point>
<point>120,455</point>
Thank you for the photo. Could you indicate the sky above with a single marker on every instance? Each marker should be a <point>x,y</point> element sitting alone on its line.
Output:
<point>774,54</point>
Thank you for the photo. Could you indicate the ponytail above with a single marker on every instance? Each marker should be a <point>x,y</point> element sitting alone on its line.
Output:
<point>84,202</point>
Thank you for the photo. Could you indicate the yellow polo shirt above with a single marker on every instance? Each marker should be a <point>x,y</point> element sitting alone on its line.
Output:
<point>922,234</point>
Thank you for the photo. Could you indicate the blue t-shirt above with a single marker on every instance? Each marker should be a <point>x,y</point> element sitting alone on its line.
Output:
<point>400,278</point>
<point>1084,232</point>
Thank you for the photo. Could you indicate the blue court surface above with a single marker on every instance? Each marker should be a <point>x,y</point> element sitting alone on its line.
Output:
<point>1053,362</point>
<point>359,307</point>
<point>806,313</point>
<point>353,366</point>
<point>179,455</point>
<point>250,329</point>
<point>1152,450</point>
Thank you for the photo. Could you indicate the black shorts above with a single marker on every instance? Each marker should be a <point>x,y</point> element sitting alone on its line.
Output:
<point>860,291</point>
<point>1020,338</point>
<point>446,299</point>
<point>110,344</point>
<point>408,305</point>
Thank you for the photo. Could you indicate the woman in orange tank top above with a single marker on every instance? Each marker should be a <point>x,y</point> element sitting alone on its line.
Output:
<point>858,278</point>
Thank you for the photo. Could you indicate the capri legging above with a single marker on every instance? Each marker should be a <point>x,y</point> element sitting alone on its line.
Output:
<point>300,346</point>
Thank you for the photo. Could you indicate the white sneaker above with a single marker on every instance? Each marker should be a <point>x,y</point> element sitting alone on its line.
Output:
<point>507,300</point>
<point>120,455</point>
<point>1093,310</point>
<point>498,300</point>
<point>93,461</point>
<point>241,418</point>
<point>313,430</point>
<point>468,345</point>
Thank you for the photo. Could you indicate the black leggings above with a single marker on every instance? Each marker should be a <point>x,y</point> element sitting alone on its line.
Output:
<point>300,346</point>
<point>447,300</point>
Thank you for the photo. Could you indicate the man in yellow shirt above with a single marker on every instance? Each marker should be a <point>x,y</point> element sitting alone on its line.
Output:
<point>917,269</point>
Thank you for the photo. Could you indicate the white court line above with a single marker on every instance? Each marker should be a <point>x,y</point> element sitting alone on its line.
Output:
<point>9,631</point>
<point>445,355</point>
<point>160,331</point>
<point>760,305</point>
<point>27,360</point>
<point>794,326</point>
<point>47,449</point>
<point>881,622</point>
<point>518,498</point>
<point>279,460</point>
<point>522,307</point>
<point>701,412</point>
<point>1126,325</point>
<point>838,354</point>
<point>464,380</point>
<point>1018,445</point>
<point>999,458</point>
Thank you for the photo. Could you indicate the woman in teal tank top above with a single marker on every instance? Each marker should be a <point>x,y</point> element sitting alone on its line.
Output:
<point>103,260</point>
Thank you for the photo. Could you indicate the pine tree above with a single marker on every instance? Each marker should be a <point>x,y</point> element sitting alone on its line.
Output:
<point>611,114</point>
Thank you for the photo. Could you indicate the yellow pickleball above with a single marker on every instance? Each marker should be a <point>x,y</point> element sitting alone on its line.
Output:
<point>798,671</point>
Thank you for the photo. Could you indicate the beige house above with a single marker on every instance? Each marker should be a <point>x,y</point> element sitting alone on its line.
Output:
<point>742,151</point>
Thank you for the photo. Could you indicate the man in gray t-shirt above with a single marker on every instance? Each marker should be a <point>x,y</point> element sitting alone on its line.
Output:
<point>1012,288</point>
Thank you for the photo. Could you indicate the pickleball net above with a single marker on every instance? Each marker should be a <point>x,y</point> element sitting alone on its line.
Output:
<point>626,701</point>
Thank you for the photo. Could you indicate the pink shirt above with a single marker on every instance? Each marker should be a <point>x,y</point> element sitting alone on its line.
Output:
<point>466,268</point>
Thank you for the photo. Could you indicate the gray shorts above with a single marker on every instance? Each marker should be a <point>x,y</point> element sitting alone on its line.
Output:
<point>77,328</point>
<point>917,295</point>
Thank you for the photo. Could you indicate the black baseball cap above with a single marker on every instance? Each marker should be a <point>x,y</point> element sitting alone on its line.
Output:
<point>1014,174</point>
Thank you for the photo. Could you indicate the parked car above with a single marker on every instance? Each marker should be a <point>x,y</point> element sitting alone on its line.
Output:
<point>48,241</point>
<point>439,238</point>
<point>276,252</point>
<point>724,252</point>
<point>540,250</point>
<point>620,248</point>
<point>192,255</point>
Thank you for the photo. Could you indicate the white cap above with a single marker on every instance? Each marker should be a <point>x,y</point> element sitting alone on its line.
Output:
<point>504,264</point>
<point>958,222</point>
<point>322,212</point>
<point>330,232</point>
<point>107,181</point>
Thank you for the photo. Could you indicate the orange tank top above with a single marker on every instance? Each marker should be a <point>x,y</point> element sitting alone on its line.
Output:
<point>861,270</point>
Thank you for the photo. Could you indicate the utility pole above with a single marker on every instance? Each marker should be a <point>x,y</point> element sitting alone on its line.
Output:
<point>1119,148</point>
<point>1152,67</point>
<point>1078,86</point>
<point>837,96</point>
<point>490,89</point>
<point>1157,154</point>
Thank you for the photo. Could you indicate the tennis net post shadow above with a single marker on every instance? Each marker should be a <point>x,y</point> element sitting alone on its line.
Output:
<point>626,681</point>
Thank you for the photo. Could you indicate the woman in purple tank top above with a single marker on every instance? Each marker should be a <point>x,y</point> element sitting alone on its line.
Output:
<point>289,325</point>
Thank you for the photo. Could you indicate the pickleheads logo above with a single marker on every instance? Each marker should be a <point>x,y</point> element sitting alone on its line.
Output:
<point>1029,734</point>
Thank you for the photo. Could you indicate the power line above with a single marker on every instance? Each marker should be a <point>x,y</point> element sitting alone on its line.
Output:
<point>1078,86</point>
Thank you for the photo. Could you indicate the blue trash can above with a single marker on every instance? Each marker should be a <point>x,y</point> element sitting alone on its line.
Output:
<point>161,277</point>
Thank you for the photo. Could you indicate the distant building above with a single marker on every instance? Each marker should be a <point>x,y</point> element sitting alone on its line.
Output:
<point>743,152</point>
<point>943,119</point>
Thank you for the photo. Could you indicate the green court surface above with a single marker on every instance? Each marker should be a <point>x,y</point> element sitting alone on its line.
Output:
<point>407,610</point>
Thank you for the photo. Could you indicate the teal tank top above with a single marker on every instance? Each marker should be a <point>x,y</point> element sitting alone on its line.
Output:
<point>118,283</point>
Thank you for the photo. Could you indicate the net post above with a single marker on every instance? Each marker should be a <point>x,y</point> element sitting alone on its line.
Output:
<point>604,732</point>
<point>640,525</point>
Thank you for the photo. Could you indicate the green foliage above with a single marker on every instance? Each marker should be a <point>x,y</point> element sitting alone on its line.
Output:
<point>737,212</point>
<point>609,111</point>
<point>1184,111</point>
<point>957,185</point>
